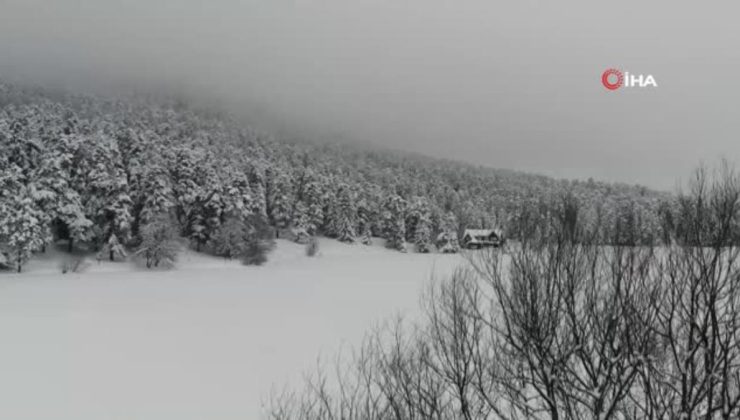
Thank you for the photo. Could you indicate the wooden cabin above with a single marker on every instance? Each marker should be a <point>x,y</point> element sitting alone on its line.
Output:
<point>482,238</point>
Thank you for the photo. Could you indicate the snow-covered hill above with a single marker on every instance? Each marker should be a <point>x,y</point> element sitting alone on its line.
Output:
<point>205,341</point>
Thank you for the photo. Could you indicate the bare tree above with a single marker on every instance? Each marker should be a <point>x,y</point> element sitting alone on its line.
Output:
<point>461,348</point>
<point>563,312</point>
<point>697,313</point>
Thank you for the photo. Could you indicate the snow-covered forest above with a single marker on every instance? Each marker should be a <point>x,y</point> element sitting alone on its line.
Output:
<point>132,177</point>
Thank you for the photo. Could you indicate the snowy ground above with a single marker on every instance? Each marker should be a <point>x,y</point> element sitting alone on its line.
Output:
<point>206,341</point>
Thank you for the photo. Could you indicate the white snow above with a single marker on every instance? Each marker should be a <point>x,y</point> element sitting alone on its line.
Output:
<point>208,340</point>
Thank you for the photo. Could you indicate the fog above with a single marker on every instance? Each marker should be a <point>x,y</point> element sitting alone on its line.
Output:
<point>511,84</point>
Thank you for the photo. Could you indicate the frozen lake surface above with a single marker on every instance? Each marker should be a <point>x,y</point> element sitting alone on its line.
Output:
<point>208,340</point>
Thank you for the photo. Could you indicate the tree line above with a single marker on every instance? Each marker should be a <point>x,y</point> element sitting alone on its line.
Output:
<point>118,175</point>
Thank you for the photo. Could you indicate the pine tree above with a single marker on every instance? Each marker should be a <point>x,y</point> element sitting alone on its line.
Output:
<point>119,215</point>
<point>113,249</point>
<point>259,241</point>
<point>182,163</point>
<point>423,233</point>
<point>312,197</point>
<point>365,236</point>
<point>300,217</point>
<point>99,176</point>
<point>238,200</point>
<point>364,222</point>
<point>207,206</point>
<point>279,201</point>
<point>258,191</point>
<point>21,227</point>
<point>345,215</point>
<point>329,210</point>
<point>54,185</point>
<point>418,225</point>
<point>230,239</point>
<point>447,240</point>
<point>156,197</point>
<point>394,223</point>
<point>199,194</point>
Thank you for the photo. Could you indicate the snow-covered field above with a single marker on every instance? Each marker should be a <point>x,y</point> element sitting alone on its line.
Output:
<point>208,340</point>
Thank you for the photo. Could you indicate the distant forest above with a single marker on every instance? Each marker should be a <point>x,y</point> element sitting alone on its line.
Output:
<point>113,174</point>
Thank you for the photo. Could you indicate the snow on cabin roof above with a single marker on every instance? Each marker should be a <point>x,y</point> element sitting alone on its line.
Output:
<point>482,232</point>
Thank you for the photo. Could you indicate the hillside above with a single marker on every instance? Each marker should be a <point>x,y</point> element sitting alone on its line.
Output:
<point>97,171</point>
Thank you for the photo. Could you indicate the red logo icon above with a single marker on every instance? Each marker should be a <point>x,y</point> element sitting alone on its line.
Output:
<point>612,79</point>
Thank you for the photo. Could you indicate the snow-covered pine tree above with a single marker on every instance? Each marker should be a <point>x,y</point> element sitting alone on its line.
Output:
<point>207,209</point>
<point>364,222</point>
<point>329,210</point>
<point>198,192</point>
<point>182,164</point>
<point>423,234</point>
<point>21,226</point>
<point>131,147</point>
<point>230,239</point>
<point>119,213</point>
<point>238,195</point>
<point>50,188</point>
<point>395,223</point>
<point>300,217</point>
<point>279,200</point>
<point>23,144</point>
<point>312,196</point>
<point>345,215</point>
<point>99,176</point>
<point>55,192</point>
<point>113,249</point>
<point>258,191</point>
<point>447,242</point>
<point>79,228</point>
<point>156,197</point>
<point>419,212</point>
<point>413,213</point>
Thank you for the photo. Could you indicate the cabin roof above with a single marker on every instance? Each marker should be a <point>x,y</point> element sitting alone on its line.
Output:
<point>482,232</point>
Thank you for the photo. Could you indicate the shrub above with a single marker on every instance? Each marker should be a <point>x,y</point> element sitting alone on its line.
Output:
<point>113,249</point>
<point>258,242</point>
<point>300,236</point>
<point>159,246</point>
<point>255,252</point>
<point>229,240</point>
<point>4,263</point>
<point>312,247</point>
<point>74,265</point>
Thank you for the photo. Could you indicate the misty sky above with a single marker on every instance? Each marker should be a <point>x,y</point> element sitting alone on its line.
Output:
<point>513,84</point>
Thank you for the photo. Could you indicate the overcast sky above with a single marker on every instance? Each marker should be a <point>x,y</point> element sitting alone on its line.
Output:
<point>513,84</point>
